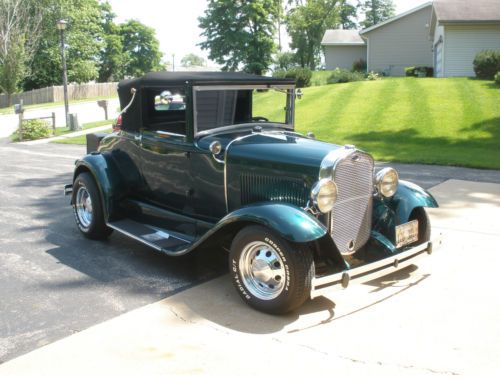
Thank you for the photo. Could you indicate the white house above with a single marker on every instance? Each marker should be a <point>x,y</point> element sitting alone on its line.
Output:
<point>444,34</point>
<point>342,48</point>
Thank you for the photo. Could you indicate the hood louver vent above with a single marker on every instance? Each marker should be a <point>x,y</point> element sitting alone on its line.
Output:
<point>255,188</point>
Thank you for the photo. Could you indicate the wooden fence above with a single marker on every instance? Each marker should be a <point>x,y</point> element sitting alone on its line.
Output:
<point>56,94</point>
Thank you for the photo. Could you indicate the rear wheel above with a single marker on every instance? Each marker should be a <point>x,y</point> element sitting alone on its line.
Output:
<point>269,273</point>
<point>87,208</point>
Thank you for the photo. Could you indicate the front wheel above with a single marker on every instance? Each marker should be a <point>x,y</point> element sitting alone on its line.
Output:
<point>269,273</point>
<point>87,208</point>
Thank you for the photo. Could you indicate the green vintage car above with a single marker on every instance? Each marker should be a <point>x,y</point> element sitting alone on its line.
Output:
<point>210,159</point>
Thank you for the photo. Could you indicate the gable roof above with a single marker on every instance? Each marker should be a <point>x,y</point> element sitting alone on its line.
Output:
<point>339,37</point>
<point>467,10</point>
<point>399,16</point>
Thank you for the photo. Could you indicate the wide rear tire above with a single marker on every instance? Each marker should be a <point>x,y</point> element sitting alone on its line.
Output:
<point>87,208</point>
<point>269,273</point>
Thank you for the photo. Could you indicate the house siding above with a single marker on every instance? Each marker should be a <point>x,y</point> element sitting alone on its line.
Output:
<point>343,56</point>
<point>402,43</point>
<point>463,42</point>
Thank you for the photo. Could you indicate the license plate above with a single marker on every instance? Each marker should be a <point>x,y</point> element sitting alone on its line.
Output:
<point>406,233</point>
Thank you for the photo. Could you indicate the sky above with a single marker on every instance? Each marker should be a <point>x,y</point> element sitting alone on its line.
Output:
<point>176,21</point>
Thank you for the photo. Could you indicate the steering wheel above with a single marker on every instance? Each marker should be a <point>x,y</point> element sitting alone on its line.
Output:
<point>260,119</point>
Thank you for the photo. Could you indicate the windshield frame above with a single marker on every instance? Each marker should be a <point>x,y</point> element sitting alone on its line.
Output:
<point>287,89</point>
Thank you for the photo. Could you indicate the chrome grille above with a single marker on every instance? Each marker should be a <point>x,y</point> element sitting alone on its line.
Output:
<point>350,220</point>
<point>258,188</point>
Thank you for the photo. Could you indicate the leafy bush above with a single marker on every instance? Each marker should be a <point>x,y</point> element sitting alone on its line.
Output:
<point>497,78</point>
<point>414,71</point>
<point>302,76</point>
<point>33,129</point>
<point>372,76</point>
<point>359,66</point>
<point>487,64</point>
<point>343,76</point>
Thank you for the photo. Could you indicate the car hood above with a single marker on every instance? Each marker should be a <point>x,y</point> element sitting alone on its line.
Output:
<point>273,166</point>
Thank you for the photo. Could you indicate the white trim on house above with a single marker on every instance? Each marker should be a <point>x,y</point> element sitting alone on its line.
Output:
<point>343,44</point>
<point>399,16</point>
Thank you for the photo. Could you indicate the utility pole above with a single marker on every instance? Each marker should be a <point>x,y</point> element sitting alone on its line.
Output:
<point>61,26</point>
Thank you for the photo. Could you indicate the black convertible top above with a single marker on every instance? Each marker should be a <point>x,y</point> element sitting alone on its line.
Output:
<point>160,79</point>
<point>200,78</point>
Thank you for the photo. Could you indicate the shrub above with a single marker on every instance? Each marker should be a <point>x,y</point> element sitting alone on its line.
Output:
<point>414,71</point>
<point>497,78</point>
<point>410,71</point>
<point>487,64</point>
<point>372,76</point>
<point>343,76</point>
<point>359,66</point>
<point>302,76</point>
<point>33,129</point>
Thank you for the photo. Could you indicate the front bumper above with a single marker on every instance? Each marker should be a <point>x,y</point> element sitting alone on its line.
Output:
<point>371,271</point>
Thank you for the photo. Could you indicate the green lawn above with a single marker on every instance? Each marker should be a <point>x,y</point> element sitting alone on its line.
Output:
<point>80,140</point>
<point>90,125</point>
<point>451,121</point>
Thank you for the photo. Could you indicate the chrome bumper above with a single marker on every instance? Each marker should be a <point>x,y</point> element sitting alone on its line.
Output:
<point>372,271</point>
<point>68,189</point>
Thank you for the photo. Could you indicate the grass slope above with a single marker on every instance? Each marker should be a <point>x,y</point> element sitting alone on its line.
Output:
<point>452,121</point>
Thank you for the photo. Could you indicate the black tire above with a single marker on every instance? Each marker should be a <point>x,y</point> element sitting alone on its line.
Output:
<point>424,225</point>
<point>92,226</point>
<point>257,253</point>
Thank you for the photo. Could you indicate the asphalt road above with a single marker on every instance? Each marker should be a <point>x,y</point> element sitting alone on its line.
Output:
<point>54,282</point>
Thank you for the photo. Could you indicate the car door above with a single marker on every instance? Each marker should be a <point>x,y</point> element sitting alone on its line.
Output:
<point>165,152</point>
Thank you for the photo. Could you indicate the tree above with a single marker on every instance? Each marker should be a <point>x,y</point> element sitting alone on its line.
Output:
<point>285,60</point>
<point>306,25</point>
<point>142,48</point>
<point>348,15</point>
<point>240,33</point>
<point>376,11</point>
<point>84,39</point>
<point>19,32</point>
<point>192,60</point>
<point>112,58</point>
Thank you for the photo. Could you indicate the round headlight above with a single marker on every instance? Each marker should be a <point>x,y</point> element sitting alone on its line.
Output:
<point>324,195</point>
<point>387,181</point>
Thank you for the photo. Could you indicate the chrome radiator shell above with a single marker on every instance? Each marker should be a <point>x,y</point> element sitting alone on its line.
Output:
<point>351,218</point>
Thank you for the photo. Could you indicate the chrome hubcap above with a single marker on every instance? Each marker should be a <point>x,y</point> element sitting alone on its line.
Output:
<point>84,207</point>
<point>262,270</point>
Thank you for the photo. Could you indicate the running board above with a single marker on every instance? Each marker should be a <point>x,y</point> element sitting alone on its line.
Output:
<point>167,242</point>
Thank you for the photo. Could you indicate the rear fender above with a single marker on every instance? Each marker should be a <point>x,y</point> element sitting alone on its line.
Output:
<point>107,178</point>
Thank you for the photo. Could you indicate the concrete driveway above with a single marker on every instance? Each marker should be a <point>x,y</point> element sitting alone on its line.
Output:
<point>438,318</point>
<point>87,112</point>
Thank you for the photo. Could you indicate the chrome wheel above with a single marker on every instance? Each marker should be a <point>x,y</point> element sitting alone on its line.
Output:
<point>83,204</point>
<point>262,270</point>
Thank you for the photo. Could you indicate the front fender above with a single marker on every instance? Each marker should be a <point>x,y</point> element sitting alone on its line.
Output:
<point>408,197</point>
<point>390,212</point>
<point>290,222</point>
<point>107,177</point>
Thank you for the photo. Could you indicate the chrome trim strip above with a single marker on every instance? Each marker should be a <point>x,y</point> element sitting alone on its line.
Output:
<point>373,270</point>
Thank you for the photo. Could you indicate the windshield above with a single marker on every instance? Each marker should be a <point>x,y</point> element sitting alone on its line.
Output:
<point>230,105</point>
